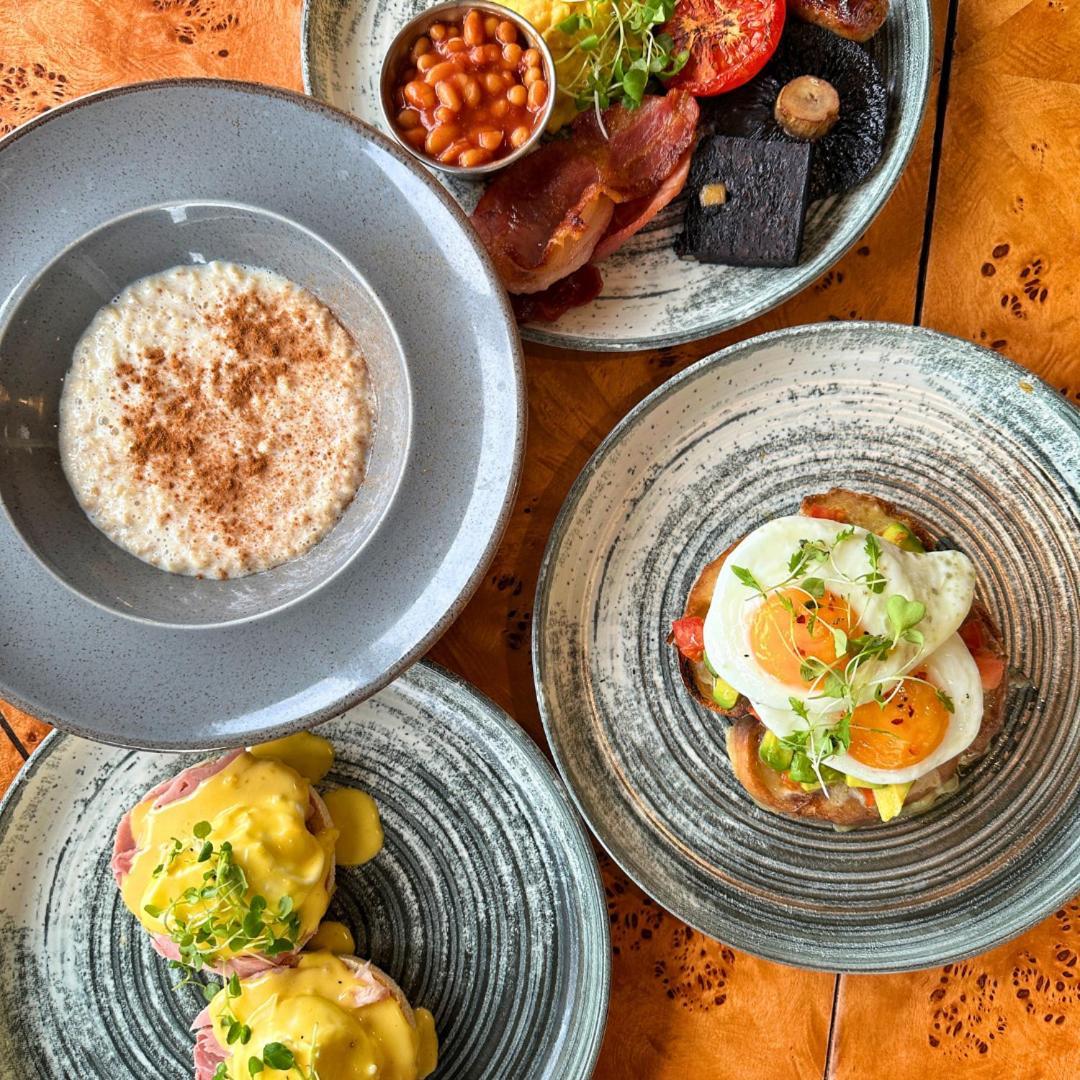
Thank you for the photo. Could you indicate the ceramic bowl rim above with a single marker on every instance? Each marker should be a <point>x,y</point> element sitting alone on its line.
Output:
<point>357,547</point>
<point>357,692</point>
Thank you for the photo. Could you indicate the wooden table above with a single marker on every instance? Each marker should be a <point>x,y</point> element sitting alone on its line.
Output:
<point>980,240</point>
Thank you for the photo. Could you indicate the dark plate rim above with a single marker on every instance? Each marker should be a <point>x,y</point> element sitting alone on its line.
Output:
<point>1041,392</point>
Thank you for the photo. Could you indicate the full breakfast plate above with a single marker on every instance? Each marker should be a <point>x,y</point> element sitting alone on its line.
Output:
<point>651,296</point>
<point>484,904</point>
<point>790,839</point>
<point>388,434</point>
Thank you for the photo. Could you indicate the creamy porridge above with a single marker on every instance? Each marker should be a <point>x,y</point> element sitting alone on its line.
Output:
<point>215,420</point>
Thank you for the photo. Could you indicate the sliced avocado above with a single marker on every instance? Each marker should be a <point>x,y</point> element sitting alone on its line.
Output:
<point>899,534</point>
<point>774,753</point>
<point>890,799</point>
<point>802,771</point>
<point>830,776</point>
<point>854,781</point>
<point>708,665</point>
<point>724,694</point>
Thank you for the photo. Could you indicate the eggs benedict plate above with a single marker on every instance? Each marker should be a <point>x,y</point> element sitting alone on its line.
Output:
<point>857,668</point>
<point>449,856</point>
<point>229,865</point>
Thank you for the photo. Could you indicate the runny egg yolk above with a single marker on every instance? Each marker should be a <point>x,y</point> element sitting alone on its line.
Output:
<point>791,626</point>
<point>907,729</point>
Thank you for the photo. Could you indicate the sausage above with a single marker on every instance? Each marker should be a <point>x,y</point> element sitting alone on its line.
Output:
<point>858,20</point>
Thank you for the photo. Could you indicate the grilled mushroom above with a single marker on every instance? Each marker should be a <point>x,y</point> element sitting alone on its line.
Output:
<point>845,151</point>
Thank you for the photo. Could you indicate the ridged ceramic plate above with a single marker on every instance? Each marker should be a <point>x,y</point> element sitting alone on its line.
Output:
<point>651,298</point>
<point>485,903</point>
<point>965,439</point>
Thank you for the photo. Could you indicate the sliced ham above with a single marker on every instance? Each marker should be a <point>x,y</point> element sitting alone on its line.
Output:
<point>178,787</point>
<point>374,985</point>
<point>168,791</point>
<point>547,215</point>
<point>208,1052</point>
<point>578,288</point>
<point>632,216</point>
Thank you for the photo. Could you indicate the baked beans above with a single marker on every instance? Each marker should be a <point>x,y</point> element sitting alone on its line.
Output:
<point>472,93</point>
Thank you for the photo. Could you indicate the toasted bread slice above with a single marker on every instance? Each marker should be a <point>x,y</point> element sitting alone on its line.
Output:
<point>844,806</point>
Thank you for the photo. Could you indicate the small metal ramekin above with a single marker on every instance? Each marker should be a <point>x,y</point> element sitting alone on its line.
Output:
<point>454,12</point>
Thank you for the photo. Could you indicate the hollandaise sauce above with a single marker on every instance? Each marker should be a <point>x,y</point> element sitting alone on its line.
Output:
<point>251,817</point>
<point>355,814</point>
<point>314,1017</point>
<point>310,755</point>
<point>333,937</point>
<point>356,818</point>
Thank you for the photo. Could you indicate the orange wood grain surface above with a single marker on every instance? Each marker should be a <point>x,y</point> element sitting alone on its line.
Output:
<point>1000,268</point>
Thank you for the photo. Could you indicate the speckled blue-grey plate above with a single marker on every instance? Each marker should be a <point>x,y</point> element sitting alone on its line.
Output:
<point>651,298</point>
<point>485,903</point>
<point>116,185</point>
<point>965,439</point>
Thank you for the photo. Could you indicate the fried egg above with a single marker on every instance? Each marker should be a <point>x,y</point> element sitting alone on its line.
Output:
<point>913,732</point>
<point>758,644</point>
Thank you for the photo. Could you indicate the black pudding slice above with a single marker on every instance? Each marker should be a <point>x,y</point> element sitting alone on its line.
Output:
<point>747,202</point>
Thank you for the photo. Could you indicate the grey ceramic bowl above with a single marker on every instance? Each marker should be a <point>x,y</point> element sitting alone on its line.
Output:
<point>37,340</point>
<point>419,25</point>
<point>651,298</point>
<point>971,443</point>
<point>270,177</point>
<point>485,903</point>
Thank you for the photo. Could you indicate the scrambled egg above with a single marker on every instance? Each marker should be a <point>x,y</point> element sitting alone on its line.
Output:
<point>571,64</point>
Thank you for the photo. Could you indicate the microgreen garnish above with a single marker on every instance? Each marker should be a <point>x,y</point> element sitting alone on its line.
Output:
<point>903,616</point>
<point>875,580</point>
<point>217,915</point>
<point>275,1055</point>
<point>823,740</point>
<point>747,579</point>
<point>619,47</point>
<point>844,680</point>
<point>798,707</point>
<point>818,741</point>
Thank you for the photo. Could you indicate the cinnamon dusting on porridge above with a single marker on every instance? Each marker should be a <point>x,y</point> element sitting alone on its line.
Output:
<point>215,420</point>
